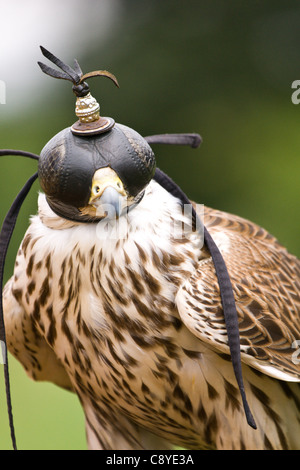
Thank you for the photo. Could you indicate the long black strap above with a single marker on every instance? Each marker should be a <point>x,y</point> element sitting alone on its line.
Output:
<point>22,153</point>
<point>5,236</point>
<point>231,319</point>
<point>227,297</point>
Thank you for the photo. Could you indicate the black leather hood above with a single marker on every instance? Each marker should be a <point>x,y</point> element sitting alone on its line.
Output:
<point>68,162</point>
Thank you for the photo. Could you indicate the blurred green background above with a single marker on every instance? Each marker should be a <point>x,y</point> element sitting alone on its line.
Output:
<point>223,69</point>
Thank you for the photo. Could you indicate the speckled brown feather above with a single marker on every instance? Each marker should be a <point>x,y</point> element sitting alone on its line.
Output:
<point>134,326</point>
<point>266,284</point>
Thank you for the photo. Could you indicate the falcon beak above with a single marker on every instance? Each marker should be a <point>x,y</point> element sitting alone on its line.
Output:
<point>111,202</point>
<point>108,195</point>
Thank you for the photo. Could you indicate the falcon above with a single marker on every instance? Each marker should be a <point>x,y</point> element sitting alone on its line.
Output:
<point>113,300</point>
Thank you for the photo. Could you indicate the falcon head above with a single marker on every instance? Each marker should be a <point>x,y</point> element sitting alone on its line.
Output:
<point>89,178</point>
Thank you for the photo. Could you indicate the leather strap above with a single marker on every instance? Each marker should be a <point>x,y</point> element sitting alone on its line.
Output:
<point>5,237</point>
<point>227,297</point>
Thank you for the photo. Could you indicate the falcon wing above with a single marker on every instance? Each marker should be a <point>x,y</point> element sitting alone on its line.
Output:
<point>27,345</point>
<point>266,285</point>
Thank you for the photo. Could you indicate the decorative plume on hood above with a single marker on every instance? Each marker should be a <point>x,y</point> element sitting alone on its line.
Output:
<point>87,108</point>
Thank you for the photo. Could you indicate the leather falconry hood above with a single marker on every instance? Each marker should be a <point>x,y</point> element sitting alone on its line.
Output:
<point>69,160</point>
